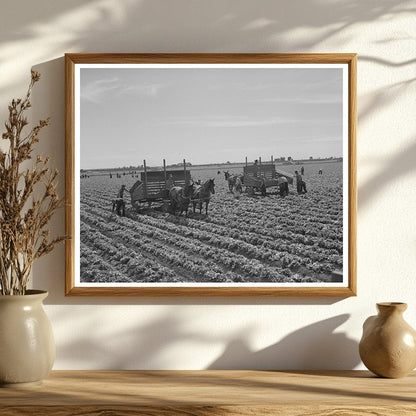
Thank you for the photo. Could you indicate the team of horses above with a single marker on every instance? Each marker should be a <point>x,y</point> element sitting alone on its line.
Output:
<point>235,182</point>
<point>180,198</point>
<point>198,194</point>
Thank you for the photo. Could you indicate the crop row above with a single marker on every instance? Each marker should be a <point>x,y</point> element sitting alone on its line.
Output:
<point>321,222</point>
<point>224,251</point>
<point>251,245</point>
<point>119,263</point>
<point>95,269</point>
<point>264,239</point>
<point>184,265</point>
<point>265,236</point>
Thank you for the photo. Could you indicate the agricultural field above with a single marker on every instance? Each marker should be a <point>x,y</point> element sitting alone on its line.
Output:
<point>254,239</point>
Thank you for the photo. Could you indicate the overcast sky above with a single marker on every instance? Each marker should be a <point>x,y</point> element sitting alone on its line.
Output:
<point>208,115</point>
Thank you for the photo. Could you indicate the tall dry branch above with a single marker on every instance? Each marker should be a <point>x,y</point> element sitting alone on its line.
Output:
<point>24,217</point>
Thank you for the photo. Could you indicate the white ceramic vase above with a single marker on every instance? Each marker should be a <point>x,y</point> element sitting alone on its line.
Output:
<point>27,347</point>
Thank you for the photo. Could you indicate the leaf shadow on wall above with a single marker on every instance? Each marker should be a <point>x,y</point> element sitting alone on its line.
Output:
<point>312,347</point>
<point>396,166</point>
<point>389,172</point>
<point>144,346</point>
<point>149,346</point>
<point>190,26</point>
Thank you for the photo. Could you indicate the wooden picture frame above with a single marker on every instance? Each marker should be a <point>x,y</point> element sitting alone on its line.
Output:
<point>184,96</point>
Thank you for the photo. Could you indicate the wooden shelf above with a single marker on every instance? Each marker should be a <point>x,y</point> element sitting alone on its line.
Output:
<point>203,393</point>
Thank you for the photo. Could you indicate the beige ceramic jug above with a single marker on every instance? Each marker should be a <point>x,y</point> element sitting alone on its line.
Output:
<point>27,347</point>
<point>388,345</point>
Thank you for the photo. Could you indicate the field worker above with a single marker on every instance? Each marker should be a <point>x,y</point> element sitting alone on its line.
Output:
<point>121,191</point>
<point>263,188</point>
<point>299,181</point>
<point>302,170</point>
<point>238,184</point>
<point>238,187</point>
<point>118,203</point>
<point>283,185</point>
<point>303,187</point>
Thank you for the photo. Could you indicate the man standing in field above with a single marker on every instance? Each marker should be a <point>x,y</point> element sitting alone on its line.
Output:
<point>119,203</point>
<point>238,187</point>
<point>121,192</point>
<point>283,185</point>
<point>300,183</point>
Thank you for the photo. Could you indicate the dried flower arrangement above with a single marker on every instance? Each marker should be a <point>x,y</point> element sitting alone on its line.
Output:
<point>28,199</point>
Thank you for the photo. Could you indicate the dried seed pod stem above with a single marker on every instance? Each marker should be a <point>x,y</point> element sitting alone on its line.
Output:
<point>24,216</point>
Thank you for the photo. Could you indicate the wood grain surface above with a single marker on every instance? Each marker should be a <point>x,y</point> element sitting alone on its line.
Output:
<point>203,393</point>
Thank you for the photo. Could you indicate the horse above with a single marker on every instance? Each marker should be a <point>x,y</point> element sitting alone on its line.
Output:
<point>180,198</point>
<point>232,179</point>
<point>202,193</point>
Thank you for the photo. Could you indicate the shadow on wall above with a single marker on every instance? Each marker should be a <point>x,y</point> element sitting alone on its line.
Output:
<point>141,347</point>
<point>382,97</point>
<point>48,100</point>
<point>150,26</point>
<point>242,26</point>
<point>152,345</point>
<point>391,170</point>
<point>314,347</point>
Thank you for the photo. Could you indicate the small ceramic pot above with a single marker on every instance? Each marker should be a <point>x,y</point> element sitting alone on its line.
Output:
<point>388,345</point>
<point>27,347</point>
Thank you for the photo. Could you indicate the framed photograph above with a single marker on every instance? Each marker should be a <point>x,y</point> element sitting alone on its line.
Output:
<point>211,174</point>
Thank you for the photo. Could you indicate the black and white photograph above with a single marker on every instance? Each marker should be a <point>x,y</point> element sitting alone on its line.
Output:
<point>211,175</point>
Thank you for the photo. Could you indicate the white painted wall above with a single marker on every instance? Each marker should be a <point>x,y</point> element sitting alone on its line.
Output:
<point>200,333</point>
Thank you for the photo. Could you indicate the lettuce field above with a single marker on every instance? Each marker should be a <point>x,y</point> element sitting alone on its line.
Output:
<point>253,239</point>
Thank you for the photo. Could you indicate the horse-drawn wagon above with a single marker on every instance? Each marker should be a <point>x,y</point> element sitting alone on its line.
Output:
<point>154,185</point>
<point>260,176</point>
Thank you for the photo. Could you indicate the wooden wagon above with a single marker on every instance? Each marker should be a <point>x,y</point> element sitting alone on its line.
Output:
<point>153,186</point>
<point>260,176</point>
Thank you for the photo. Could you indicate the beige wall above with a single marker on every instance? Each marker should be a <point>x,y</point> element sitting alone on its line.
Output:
<point>198,333</point>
